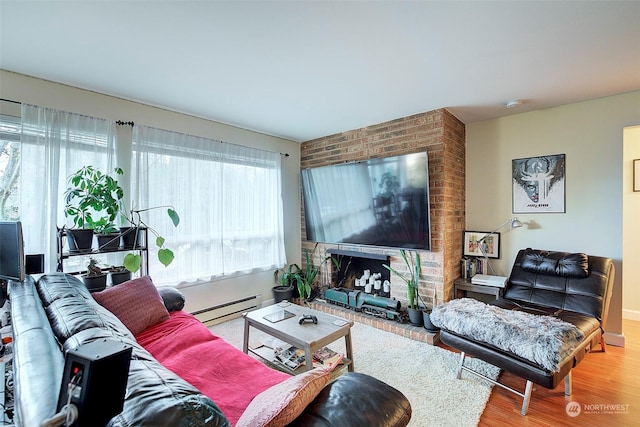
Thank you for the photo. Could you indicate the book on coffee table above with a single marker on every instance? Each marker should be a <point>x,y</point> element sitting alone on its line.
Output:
<point>326,357</point>
<point>293,357</point>
<point>290,356</point>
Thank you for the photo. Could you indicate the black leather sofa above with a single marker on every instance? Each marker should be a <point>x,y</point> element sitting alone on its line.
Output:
<point>575,288</point>
<point>58,313</point>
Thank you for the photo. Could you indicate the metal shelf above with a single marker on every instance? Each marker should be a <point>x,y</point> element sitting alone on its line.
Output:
<point>65,254</point>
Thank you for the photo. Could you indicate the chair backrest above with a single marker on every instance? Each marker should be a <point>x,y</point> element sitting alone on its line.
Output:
<point>568,281</point>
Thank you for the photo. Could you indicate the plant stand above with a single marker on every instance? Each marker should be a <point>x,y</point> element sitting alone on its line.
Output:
<point>64,253</point>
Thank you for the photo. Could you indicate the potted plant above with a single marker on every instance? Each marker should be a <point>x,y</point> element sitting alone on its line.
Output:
<point>426,314</point>
<point>413,281</point>
<point>92,198</point>
<point>339,275</point>
<point>94,279</point>
<point>132,260</point>
<point>119,274</point>
<point>284,279</point>
<point>305,278</point>
<point>107,235</point>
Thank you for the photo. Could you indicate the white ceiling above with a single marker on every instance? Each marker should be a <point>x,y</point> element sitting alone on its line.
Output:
<point>302,70</point>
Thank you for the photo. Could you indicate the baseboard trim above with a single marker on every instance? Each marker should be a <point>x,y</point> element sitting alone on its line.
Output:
<point>631,314</point>
<point>614,339</point>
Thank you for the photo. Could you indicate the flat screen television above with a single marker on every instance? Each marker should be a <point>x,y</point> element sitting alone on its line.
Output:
<point>11,251</point>
<point>377,202</point>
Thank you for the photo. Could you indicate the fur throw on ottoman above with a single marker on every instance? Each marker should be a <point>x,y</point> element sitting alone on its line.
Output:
<point>543,340</point>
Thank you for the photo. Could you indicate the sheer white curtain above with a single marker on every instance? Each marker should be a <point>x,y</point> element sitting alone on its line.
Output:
<point>228,198</point>
<point>54,144</point>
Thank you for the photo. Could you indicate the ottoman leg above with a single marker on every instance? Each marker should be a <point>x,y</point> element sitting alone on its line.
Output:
<point>526,397</point>
<point>568,388</point>
<point>460,365</point>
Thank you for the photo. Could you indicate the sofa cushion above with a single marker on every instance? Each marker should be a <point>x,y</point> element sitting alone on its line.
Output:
<point>282,403</point>
<point>357,400</point>
<point>127,299</point>
<point>219,370</point>
<point>556,263</point>
<point>70,308</point>
<point>173,299</point>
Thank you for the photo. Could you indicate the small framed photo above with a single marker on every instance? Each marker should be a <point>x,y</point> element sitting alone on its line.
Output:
<point>481,243</point>
<point>636,175</point>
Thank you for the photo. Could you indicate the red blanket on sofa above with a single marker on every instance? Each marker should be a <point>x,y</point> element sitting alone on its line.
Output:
<point>220,371</point>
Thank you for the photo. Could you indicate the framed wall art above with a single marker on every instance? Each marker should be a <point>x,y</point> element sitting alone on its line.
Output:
<point>474,243</point>
<point>539,184</point>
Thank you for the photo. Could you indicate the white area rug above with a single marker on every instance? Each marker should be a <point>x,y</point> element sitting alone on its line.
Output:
<point>423,373</point>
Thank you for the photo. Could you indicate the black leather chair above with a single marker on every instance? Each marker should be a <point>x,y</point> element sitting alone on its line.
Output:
<point>575,288</point>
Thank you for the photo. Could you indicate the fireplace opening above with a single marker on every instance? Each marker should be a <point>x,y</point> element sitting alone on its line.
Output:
<point>360,271</point>
<point>379,308</point>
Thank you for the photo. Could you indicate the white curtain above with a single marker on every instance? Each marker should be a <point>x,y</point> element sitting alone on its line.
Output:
<point>54,144</point>
<point>228,198</point>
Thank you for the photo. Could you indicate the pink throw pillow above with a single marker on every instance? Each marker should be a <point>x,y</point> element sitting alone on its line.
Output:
<point>136,303</point>
<point>282,403</point>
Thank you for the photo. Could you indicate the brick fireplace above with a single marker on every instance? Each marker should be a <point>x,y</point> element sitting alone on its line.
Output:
<point>442,136</point>
<point>352,265</point>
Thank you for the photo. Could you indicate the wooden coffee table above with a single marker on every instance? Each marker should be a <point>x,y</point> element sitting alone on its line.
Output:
<point>307,336</point>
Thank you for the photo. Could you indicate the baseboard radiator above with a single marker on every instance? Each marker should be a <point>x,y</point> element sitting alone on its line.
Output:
<point>228,310</point>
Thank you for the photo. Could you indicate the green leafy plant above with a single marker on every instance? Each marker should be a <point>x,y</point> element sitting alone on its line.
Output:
<point>305,277</point>
<point>412,280</point>
<point>339,275</point>
<point>103,226</point>
<point>286,276</point>
<point>132,261</point>
<point>93,198</point>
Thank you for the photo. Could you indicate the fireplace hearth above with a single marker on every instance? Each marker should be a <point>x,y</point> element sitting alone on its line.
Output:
<point>417,333</point>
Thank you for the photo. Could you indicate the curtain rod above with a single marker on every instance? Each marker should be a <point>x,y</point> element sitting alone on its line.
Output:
<point>10,100</point>
<point>119,122</point>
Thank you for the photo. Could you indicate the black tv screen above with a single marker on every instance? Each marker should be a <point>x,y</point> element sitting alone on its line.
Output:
<point>377,202</point>
<point>11,251</point>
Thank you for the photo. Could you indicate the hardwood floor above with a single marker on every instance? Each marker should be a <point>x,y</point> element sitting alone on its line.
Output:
<point>601,378</point>
<point>609,378</point>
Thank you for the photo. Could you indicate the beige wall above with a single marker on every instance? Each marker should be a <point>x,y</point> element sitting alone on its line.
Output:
<point>44,93</point>
<point>590,134</point>
<point>631,228</point>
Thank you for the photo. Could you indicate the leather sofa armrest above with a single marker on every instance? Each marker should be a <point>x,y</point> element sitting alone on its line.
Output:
<point>38,361</point>
<point>173,299</point>
<point>356,400</point>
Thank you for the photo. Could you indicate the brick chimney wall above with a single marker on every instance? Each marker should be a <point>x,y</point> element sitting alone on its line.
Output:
<point>442,135</point>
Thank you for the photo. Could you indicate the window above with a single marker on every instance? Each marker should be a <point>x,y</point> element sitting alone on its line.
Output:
<point>54,144</point>
<point>9,168</point>
<point>228,198</point>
